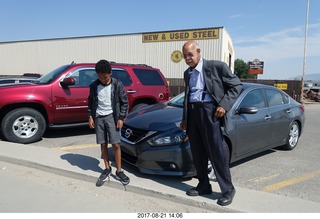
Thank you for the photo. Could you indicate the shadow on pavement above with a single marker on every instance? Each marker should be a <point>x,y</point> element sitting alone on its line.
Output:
<point>82,161</point>
<point>179,183</point>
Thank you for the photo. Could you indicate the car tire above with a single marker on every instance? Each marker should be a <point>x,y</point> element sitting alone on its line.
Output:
<point>140,105</point>
<point>23,125</point>
<point>293,136</point>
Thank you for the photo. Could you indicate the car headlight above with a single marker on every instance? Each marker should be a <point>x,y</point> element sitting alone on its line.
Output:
<point>173,137</point>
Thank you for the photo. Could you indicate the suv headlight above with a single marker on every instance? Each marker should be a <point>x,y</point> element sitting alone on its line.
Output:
<point>172,137</point>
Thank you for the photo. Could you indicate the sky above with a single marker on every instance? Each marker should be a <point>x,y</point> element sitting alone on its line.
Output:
<point>273,31</point>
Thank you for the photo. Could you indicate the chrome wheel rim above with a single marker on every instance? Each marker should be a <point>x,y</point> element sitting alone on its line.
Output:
<point>25,127</point>
<point>293,135</point>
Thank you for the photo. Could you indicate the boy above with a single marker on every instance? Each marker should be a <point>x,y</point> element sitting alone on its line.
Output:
<point>107,108</point>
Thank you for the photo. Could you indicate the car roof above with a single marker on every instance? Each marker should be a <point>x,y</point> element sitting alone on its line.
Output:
<point>246,85</point>
<point>113,64</point>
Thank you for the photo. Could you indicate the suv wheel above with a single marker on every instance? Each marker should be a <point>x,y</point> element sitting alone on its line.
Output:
<point>140,105</point>
<point>24,125</point>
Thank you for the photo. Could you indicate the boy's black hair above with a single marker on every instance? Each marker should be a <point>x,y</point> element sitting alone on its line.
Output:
<point>103,66</point>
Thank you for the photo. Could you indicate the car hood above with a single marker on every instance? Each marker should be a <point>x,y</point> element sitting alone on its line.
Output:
<point>157,117</point>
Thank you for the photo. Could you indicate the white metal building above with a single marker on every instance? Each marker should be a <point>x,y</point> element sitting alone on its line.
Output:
<point>158,49</point>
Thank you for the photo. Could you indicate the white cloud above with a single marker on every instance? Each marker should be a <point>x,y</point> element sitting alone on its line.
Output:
<point>235,16</point>
<point>280,47</point>
<point>282,44</point>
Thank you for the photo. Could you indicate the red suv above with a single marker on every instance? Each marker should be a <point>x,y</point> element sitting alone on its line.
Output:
<point>60,98</point>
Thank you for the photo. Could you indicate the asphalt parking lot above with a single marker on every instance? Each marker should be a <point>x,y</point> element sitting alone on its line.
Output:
<point>279,174</point>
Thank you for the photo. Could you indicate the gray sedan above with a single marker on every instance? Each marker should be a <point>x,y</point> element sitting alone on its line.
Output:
<point>263,117</point>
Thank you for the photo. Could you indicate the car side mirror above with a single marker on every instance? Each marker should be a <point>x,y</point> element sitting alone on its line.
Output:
<point>67,82</point>
<point>247,110</point>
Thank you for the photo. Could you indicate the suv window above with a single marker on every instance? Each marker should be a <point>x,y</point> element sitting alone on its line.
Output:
<point>86,77</point>
<point>122,75</point>
<point>83,77</point>
<point>149,77</point>
<point>48,78</point>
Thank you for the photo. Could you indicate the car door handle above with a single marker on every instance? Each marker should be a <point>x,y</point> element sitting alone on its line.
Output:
<point>289,111</point>
<point>131,91</point>
<point>267,117</point>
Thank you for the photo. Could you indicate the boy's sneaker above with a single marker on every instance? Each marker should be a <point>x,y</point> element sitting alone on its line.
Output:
<point>105,174</point>
<point>122,177</point>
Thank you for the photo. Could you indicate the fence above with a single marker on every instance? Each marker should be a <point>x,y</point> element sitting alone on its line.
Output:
<point>291,87</point>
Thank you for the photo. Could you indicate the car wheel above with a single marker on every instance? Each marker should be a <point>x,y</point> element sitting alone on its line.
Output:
<point>24,125</point>
<point>293,137</point>
<point>140,105</point>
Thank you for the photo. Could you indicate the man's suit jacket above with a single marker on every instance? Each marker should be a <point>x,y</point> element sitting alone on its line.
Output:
<point>223,86</point>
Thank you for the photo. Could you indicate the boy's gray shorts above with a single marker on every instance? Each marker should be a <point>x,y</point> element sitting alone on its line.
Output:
<point>106,131</point>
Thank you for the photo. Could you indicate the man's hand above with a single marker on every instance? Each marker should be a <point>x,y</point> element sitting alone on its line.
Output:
<point>183,125</point>
<point>220,112</point>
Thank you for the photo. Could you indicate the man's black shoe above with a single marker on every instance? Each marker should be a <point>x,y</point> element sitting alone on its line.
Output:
<point>194,192</point>
<point>227,197</point>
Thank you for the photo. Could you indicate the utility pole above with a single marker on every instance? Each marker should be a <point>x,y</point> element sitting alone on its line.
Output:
<point>305,52</point>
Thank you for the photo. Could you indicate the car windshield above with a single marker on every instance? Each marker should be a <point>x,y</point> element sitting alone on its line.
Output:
<point>177,100</point>
<point>48,78</point>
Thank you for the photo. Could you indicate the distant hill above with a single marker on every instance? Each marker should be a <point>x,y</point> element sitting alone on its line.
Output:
<point>308,77</point>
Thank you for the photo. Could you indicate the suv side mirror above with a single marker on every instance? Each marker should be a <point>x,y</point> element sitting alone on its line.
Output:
<point>67,82</point>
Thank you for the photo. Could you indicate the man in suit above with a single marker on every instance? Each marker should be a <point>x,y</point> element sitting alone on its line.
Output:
<point>211,89</point>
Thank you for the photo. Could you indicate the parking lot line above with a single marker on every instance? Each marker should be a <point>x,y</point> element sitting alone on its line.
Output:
<point>259,179</point>
<point>74,147</point>
<point>292,181</point>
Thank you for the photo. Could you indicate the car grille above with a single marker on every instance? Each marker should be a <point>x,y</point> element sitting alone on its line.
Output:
<point>134,135</point>
<point>129,158</point>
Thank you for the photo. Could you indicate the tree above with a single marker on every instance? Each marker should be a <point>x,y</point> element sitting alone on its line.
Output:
<point>241,70</point>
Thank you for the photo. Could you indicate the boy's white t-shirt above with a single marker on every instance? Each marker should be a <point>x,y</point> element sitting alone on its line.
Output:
<point>104,100</point>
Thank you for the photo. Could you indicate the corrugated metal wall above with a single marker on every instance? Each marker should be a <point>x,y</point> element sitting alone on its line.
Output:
<point>42,56</point>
